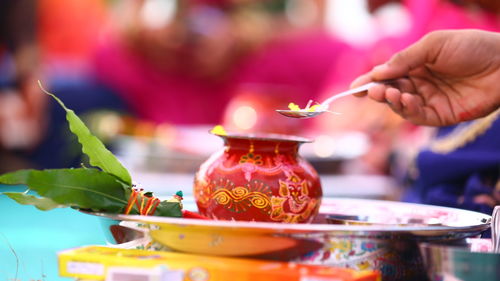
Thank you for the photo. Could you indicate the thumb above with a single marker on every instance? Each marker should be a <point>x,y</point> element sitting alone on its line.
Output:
<point>403,62</point>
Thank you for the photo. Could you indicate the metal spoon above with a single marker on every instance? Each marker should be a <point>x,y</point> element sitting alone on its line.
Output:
<point>323,107</point>
<point>495,229</point>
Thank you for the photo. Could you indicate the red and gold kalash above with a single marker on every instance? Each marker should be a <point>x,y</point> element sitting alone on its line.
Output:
<point>258,178</point>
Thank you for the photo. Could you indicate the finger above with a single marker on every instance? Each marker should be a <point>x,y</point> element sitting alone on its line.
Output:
<point>361,80</point>
<point>378,92</point>
<point>417,112</point>
<point>412,106</point>
<point>410,58</point>
<point>393,97</point>
<point>404,85</point>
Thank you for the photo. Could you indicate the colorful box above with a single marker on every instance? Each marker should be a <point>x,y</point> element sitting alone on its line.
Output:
<point>96,262</point>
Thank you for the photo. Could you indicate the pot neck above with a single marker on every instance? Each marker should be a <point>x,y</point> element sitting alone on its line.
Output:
<point>261,145</point>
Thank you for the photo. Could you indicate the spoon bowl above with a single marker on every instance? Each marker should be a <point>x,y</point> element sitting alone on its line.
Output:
<point>298,113</point>
<point>323,107</point>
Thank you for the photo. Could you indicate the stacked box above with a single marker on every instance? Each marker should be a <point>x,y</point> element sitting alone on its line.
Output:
<point>106,263</point>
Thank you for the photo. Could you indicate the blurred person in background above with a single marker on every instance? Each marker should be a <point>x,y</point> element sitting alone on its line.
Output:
<point>66,39</point>
<point>183,62</point>
<point>22,107</point>
<point>38,42</point>
<point>452,78</point>
<point>394,141</point>
<point>457,165</point>
<point>427,16</point>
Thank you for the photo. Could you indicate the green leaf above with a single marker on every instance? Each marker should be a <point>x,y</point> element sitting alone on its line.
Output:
<point>17,177</point>
<point>168,209</point>
<point>81,188</point>
<point>99,155</point>
<point>40,203</point>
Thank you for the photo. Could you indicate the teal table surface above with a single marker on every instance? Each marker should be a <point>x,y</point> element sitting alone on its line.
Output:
<point>30,239</point>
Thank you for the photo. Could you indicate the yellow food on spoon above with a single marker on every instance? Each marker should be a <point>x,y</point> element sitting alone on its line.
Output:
<point>313,108</point>
<point>218,130</point>
<point>292,106</point>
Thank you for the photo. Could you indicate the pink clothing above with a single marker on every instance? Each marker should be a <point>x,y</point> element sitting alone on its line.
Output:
<point>431,15</point>
<point>302,63</point>
<point>157,96</point>
<point>311,64</point>
<point>306,64</point>
<point>439,14</point>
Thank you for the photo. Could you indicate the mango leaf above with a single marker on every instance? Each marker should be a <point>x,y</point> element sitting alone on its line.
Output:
<point>168,209</point>
<point>82,188</point>
<point>40,203</point>
<point>91,189</point>
<point>165,209</point>
<point>17,177</point>
<point>99,155</point>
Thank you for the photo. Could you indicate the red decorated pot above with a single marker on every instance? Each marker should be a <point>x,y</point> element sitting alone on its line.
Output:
<point>258,178</point>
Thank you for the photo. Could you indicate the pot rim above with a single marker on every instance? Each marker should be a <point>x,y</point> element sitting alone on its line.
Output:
<point>264,137</point>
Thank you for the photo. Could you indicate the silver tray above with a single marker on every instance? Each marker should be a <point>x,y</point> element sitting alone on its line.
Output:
<point>386,238</point>
<point>471,260</point>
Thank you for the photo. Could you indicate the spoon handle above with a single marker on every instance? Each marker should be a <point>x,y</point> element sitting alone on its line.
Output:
<point>495,229</point>
<point>359,89</point>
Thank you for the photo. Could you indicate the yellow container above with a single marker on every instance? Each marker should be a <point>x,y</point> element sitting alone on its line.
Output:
<point>95,262</point>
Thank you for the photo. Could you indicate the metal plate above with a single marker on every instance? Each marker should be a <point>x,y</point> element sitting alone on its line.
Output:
<point>388,243</point>
<point>387,218</point>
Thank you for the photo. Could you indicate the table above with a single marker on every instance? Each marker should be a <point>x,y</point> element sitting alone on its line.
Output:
<point>30,239</point>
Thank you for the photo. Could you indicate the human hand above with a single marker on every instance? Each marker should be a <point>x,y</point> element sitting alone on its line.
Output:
<point>450,77</point>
